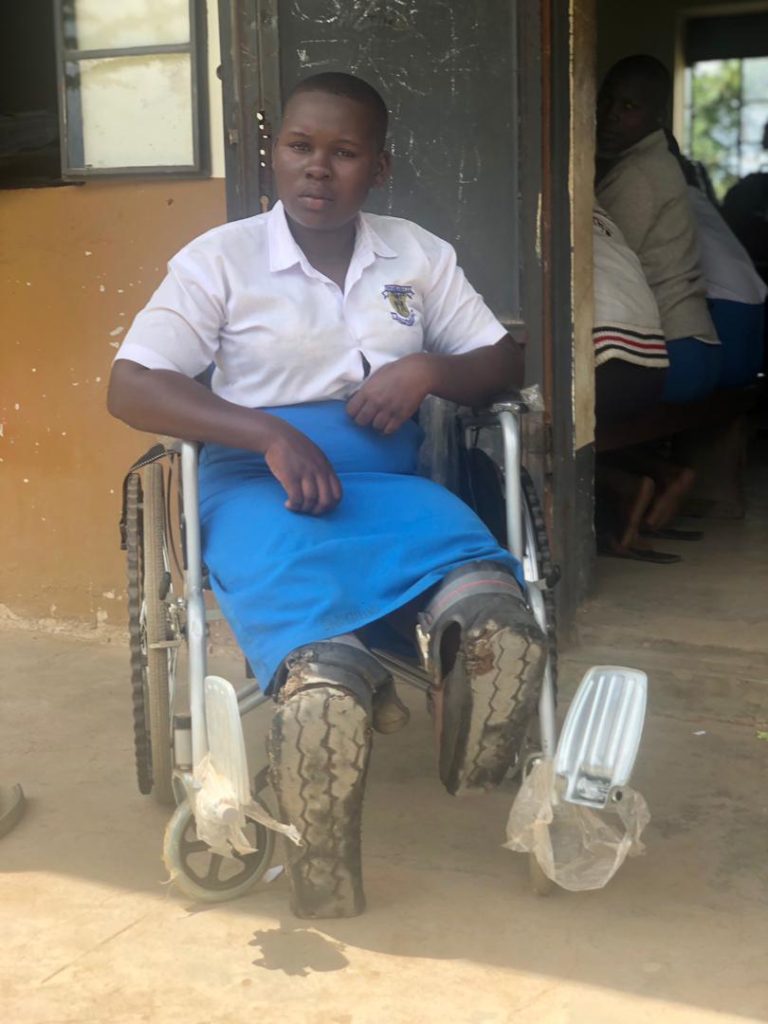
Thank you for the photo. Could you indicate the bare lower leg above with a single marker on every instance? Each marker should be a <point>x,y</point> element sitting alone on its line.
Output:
<point>666,505</point>
<point>673,482</point>
<point>630,498</point>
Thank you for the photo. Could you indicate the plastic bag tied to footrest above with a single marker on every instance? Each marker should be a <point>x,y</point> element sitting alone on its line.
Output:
<point>221,812</point>
<point>219,790</point>
<point>576,847</point>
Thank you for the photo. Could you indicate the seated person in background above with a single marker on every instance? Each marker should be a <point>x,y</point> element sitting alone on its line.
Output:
<point>745,208</point>
<point>630,370</point>
<point>736,293</point>
<point>631,358</point>
<point>642,188</point>
<point>328,327</point>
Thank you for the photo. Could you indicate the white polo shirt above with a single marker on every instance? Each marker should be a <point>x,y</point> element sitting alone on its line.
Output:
<point>245,297</point>
<point>728,268</point>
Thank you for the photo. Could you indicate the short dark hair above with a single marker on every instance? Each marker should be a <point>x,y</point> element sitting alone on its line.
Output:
<point>651,71</point>
<point>339,83</point>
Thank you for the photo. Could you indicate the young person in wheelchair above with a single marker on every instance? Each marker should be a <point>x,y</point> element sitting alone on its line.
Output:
<point>328,327</point>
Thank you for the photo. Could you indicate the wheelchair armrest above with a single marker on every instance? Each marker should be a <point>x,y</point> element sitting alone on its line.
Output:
<point>509,401</point>
<point>488,415</point>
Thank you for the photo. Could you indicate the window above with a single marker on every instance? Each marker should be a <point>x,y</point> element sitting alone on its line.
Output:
<point>726,96</point>
<point>95,88</point>
<point>133,86</point>
<point>726,117</point>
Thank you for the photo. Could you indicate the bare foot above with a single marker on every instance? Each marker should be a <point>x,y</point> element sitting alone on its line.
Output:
<point>634,509</point>
<point>627,497</point>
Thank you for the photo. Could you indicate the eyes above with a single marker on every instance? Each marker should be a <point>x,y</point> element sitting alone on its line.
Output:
<point>607,103</point>
<point>300,146</point>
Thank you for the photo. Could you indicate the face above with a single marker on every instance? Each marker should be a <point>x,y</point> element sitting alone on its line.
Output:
<point>627,111</point>
<point>326,159</point>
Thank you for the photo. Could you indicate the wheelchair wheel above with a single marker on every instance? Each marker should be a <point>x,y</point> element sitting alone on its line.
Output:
<point>546,570</point>
<point>482,488</point>
<point>149,624</point>
<point>203,875</point>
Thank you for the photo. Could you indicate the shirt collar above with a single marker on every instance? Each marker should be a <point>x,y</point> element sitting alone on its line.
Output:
<point>656,140</point>
<point>368,237</point>
<point>284,252</point>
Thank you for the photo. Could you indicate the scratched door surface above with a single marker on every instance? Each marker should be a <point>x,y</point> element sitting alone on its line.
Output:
<point>447,73</point>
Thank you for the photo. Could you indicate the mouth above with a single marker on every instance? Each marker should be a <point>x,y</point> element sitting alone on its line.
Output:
<point>608,138</point>
<point>315,200</point>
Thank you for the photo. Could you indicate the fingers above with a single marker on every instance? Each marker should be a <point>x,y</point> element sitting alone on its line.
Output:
<point>293,490</point>
<point>307,477</point>
<point>309,490</point>
<point>314,494</point>
<point>385,418</point>
<point>355,404</point>
<point>328,493</point>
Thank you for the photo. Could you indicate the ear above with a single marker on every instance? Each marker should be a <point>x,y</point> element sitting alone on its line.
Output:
<point>383,169</point>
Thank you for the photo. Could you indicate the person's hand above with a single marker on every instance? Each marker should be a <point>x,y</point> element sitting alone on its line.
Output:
<point>309,480</point>
<point>392,394</point>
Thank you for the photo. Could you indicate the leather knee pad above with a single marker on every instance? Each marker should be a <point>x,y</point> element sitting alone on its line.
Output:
<point>332,663</point>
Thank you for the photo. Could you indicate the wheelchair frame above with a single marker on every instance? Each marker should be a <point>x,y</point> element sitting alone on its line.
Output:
<point>521,542</point>
<point>187,619</point>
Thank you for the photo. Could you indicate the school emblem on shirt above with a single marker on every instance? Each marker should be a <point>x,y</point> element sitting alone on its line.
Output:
<point>398,295</point>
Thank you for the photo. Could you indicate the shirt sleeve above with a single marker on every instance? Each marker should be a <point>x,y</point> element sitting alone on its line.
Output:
<point>456,319</point>
<point>179,327</point>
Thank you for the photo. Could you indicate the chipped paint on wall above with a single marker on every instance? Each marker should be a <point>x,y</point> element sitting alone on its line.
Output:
<point>65,455</point>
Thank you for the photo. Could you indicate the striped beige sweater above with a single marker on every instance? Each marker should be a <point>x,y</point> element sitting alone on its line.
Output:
<point>646,195</point>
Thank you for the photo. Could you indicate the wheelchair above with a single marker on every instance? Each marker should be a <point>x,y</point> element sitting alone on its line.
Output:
<point>168,613</point>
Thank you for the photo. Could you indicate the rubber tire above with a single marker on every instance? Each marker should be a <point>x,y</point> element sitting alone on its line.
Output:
<point>172,843</point>
<point>544,558</point>
<point>135,578</point>
<point>158,705</point>
<point>319,749</point>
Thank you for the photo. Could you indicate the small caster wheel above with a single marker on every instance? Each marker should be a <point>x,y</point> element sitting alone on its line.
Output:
<point>541,884</point>
<point>209,877</point>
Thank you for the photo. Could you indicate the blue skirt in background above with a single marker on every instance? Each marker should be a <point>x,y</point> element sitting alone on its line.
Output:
<point>694,369</point>
<point>740,328</point>
<point>283,579</point>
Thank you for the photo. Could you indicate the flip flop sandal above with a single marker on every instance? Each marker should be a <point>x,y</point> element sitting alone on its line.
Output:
<point>639,555</point>
<point>669,533</point>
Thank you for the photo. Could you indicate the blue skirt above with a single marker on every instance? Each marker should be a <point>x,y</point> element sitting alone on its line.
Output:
<point>694,369</point>
<point>740,327</point>
<point>284,580</point>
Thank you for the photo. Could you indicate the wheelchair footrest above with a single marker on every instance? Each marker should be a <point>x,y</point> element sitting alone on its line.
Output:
<point>601,735</point>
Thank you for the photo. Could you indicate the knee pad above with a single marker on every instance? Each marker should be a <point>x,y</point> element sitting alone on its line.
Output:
<point>469,597</point>
<point>332,663</point>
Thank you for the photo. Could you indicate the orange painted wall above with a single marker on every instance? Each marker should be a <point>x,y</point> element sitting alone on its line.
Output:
<point>76,265</point>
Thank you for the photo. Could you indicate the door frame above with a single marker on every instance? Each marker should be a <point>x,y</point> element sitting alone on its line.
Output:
<point>543,37</point>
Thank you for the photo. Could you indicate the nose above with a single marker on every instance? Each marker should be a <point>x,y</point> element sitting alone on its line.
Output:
<point>612,113</point>
<point>319,166</point>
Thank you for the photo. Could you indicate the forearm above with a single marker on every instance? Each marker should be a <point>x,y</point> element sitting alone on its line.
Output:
<point>165,402</point>
<point>476,377</point>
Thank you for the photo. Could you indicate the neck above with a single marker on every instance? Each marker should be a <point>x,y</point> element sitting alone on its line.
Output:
<point>324,247</point>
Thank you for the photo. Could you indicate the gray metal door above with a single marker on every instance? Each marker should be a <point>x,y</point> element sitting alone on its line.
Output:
<point>479,96</point>
<point>447,72</point>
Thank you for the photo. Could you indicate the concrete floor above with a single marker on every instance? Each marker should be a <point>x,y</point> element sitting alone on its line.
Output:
<point>92,935</point>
